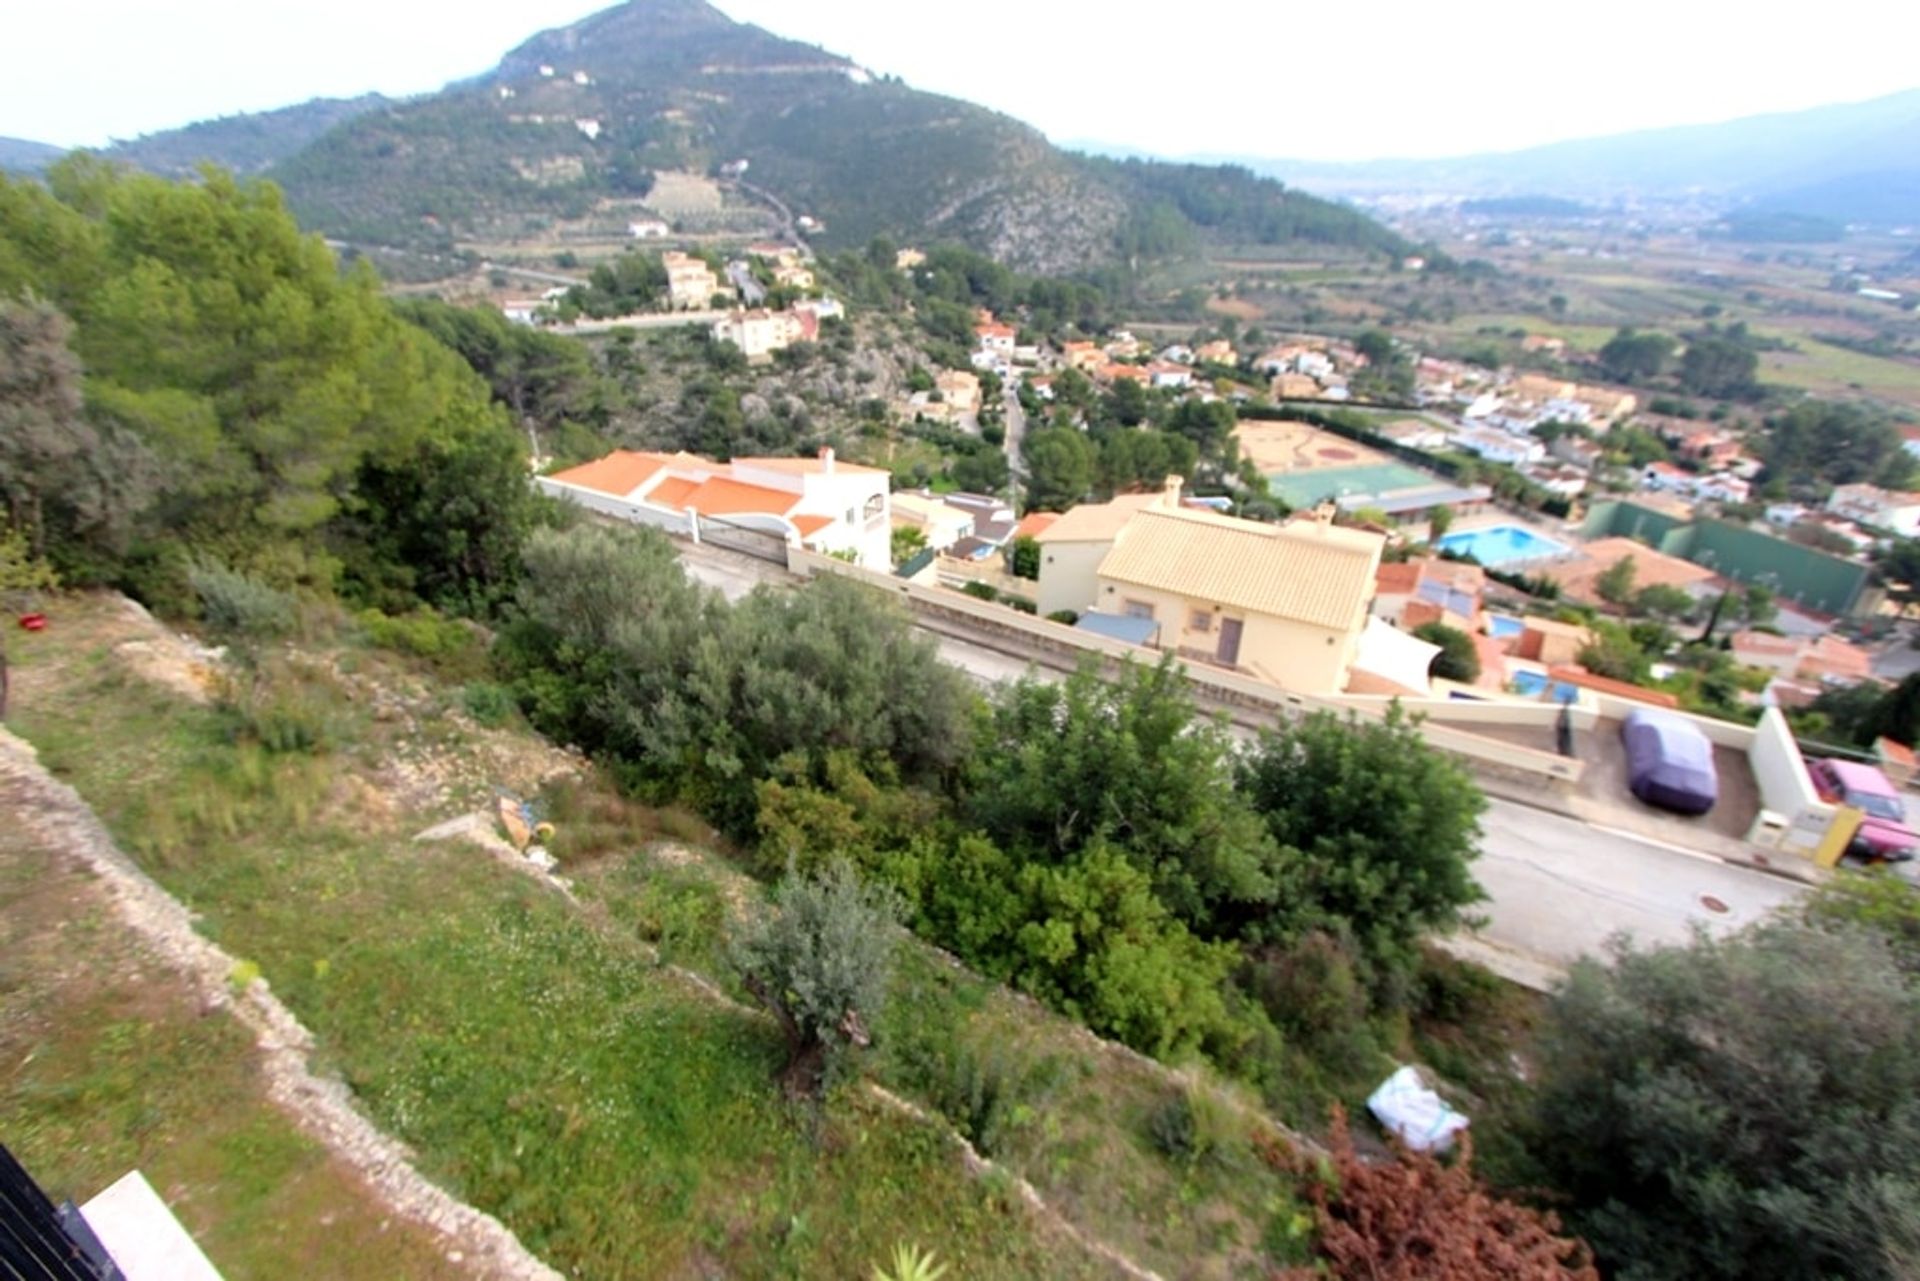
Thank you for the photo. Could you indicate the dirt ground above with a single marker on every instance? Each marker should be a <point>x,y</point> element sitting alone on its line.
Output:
<point>1289,446</point>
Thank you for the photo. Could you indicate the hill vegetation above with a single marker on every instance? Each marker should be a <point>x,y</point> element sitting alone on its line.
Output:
<point>246,143</point>
<point>674,84</point>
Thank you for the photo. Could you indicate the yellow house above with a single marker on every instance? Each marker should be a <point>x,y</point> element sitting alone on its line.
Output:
<point>1285,604</point>
<point>1072,547</point>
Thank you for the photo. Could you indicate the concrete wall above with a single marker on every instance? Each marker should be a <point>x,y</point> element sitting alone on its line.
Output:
<point>1786,789</point>
<point>618,508</point>
<point>1069,576</point>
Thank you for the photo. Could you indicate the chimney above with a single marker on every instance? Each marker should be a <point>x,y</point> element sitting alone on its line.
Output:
<point>1170,493</point>
<point>826,458</point>
<point>1323,516</point>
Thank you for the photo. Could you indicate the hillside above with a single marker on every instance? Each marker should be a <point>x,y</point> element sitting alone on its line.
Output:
<point>246,143</point>
<point>586,114</point>
<point>1858,160</point>
<point>19,155</point>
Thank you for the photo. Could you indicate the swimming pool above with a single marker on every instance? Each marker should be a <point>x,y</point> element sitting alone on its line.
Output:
<point>1501,626</point>
<point>1502,544</point>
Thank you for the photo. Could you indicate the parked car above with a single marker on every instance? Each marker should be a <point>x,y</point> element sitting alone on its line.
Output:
<point>1669,762</point>
<point>1884,835</point>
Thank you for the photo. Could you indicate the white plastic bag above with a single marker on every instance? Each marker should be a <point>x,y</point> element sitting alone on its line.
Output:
<point>1406,1107</point>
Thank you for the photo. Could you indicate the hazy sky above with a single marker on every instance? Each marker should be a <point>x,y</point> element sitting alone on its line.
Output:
<point>1326,81</point>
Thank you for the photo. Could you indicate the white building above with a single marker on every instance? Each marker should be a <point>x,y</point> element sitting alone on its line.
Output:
<point>1877,508</point>
<point>1499,447</point>
<point>818,503</point>
<point>691,284</point>
<point>648,229</point>
<point>591,128</point>
<point>759,332</point>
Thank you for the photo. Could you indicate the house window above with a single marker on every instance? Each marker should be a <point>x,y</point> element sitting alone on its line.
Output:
<point>1137,609</point>
<point>1201,621</point>
<point>852,517</point>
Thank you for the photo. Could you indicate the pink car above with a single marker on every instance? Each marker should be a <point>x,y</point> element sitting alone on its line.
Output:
<point>1884,834</point>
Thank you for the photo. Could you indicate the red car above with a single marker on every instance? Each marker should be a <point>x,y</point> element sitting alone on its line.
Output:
<point>1884,834</point>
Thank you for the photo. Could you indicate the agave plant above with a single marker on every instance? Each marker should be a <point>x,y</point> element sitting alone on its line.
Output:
<point>911,1264</point>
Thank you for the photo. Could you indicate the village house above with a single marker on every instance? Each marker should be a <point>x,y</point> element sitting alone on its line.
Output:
<point>997,338</point>
<point>1544,344</point>
<point>793,276</point>
<point>691,284</point>
<point>1577,451</point>
<point>759,332</point>
<point>648,229</point>
<point>1877,508</point>
<point>1285,604</point>
<point>1579,576</point>
<point>993,518</point>
<point>959,389</point>
<point>523,311</point>
<point>1114,372</point>
<point>1824,659</point>
<point>1429,590</point>
<point>940,524</point>
<point>1546,640</point>
<point>908,259</point>
<point>1293,387</point>
<point>1162,373</point>
<point>1217,352</point>
<point>821,504</point>
<point>1499,446</point>
<point>1415,433</point>
<point>1083,356</point>
<point>1606,406</point>
<point>1666,476</point>
<point>1707,444</point>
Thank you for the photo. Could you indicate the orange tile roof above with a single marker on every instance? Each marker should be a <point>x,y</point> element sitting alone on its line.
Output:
<point>673,491</point>
<point>722,497</point>
<point>1397,578</point>
<point>1763,643</point>
<point>1033,523</point>
<point>1895,751</point>
<point>810,525</point>
<point>618,474</point>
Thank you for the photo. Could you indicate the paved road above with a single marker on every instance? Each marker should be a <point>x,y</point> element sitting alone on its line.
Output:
<point>1558,888</point>
<point>1015,419</point>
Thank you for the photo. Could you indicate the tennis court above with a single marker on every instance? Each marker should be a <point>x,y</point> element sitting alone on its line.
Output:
<point>1305,488</point>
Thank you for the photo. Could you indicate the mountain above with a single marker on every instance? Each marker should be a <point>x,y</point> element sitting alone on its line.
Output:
<point>1850,161</point>
<point>588,113</point>
<point>17,155</point>
<point>248,143</point>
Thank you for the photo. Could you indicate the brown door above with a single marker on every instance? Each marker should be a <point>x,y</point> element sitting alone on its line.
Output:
<point>1229,651</point>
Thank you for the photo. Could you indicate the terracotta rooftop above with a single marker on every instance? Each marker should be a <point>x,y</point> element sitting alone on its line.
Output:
<point>1097,522</point>
<point>618,474</point>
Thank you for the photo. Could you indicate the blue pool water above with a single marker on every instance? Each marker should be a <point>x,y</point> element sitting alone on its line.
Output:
<point>1502,544</point>
<point>1532,684</point>
<point>1504,625</point>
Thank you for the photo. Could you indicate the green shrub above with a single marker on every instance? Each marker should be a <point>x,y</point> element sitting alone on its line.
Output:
<point>820,964</point>
<point>283,719</point>
<point>981,591</point>
<point>1192,1125</point>
<point>1067,616</point>
<point>490,704</point>
<point>1020,603</point>
<point>450,645</point>
<point>239,605</point>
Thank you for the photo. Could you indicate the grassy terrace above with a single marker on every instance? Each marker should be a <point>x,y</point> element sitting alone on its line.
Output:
<point>541,1061</point>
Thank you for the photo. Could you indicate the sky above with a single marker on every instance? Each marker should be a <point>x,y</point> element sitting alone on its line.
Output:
<point>1233,77</point>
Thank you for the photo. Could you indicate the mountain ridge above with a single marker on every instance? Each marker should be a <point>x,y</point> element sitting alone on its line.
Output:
<point>579,115</point>
<point>1843,149</point>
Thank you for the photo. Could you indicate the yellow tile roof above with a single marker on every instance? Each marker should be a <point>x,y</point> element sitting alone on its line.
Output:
<point>1309,572</point>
